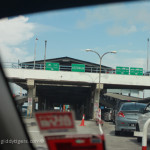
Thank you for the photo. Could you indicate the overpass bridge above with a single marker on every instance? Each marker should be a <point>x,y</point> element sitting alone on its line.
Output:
<point>108,81</point>
<point>78,89</point>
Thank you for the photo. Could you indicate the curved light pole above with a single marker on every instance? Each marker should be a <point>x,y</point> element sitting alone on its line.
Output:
<point>147,52</point>
<point>100,57</point>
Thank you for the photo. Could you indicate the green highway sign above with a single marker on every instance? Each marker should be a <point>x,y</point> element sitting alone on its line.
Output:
<point>52,66</point>
<point>136,71</point>
<point>78,67</point>
<point>122,70</point>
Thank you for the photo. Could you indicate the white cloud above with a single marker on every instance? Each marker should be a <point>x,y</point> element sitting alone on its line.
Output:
<point>14,32</point>
<point>132,52</point>
<point>120,30</point>
<point>46,28</point>
<point>136,62</point>
<point>124,17</point>
<point>126,51</point>
<point>115,60</point>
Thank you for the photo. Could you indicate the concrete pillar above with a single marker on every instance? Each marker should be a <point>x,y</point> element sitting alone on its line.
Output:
<point>96,100</point>
<point>31,97</point>
<point>96,103</point>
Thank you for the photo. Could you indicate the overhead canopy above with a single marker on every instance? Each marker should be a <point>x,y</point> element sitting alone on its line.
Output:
<point>122,97</point>
<point>68,61</point>
<point>127,98</point>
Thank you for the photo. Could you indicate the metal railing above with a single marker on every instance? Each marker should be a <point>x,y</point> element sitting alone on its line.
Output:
<point>61,67</point>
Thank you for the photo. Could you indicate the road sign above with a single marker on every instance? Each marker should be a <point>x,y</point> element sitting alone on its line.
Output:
<point>55,121</point>
<point>78,67</point>
<point>52,66</point>
<point>136,71</point>
<point>122,70</point>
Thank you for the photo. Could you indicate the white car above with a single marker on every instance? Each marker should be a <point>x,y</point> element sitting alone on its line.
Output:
<point>142,118</point>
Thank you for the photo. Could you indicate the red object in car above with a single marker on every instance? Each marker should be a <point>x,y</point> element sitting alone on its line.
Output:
<point>55,121</point>
<point>76,142</point>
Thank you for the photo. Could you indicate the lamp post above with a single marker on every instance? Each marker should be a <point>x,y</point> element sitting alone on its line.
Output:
<point>35,51</point>
<point>147,53</point>
<point>100,57</point>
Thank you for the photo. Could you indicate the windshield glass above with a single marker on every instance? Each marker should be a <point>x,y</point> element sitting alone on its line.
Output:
<point>66,60</point>
<point>133,106</point>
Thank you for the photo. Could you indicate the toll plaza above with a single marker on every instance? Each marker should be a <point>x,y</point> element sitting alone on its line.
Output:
<point>68,81</point>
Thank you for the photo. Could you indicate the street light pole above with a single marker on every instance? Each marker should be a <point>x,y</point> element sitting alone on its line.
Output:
<point>45,54</point>
<point>35,51</point>
<point>100,57</point>
<point>147,53</point>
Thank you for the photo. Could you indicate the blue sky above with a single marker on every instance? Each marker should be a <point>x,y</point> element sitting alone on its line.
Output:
<point>122,27</point>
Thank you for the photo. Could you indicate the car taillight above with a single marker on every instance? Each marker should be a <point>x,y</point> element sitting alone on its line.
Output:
<point>121,114</point>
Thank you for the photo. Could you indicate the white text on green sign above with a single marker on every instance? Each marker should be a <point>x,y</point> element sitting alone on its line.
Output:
<point>78,67</point>
<point>136,71</point>
<point>122,70</point>
<point>52,66</point>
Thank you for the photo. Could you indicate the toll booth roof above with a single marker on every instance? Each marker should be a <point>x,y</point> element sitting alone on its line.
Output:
<point>122,97</point>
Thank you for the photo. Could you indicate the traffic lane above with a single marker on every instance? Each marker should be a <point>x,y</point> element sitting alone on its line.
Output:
<point>126,141</point>
<point>89,128</point>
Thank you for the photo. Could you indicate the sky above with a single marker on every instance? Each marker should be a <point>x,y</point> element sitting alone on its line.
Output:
<point>122,27</point>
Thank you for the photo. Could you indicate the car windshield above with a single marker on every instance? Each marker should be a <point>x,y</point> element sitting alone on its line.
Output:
<point>133,106</point>
<point>65,61</point>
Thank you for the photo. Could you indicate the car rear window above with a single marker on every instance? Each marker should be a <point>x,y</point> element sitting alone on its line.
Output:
<point>133,106</point>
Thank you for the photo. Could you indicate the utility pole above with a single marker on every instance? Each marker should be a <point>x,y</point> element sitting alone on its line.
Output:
<point>147,53</point>
<point>45,54</point>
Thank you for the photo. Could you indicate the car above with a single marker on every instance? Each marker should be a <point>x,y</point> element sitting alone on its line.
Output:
<point>116,109</point>
<point>142,118</point>
<point>127,116</point>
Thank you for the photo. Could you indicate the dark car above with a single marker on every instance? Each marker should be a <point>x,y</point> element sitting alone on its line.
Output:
<point>127,116</point>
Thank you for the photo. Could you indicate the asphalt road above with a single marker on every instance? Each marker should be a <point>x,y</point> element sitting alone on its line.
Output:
<point>126,141</point>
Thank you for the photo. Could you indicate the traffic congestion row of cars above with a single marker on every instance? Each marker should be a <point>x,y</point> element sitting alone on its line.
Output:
<point>129,117</point>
